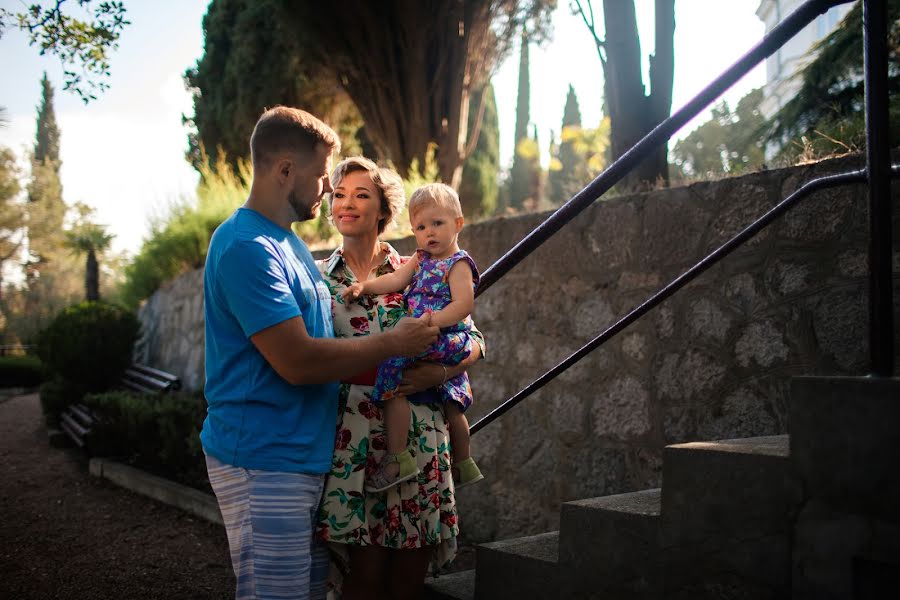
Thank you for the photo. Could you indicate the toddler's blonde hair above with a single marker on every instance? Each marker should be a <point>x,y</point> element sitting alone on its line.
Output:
<point>435,194</point>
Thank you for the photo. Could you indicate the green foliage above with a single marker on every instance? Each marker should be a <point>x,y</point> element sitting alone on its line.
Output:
<point>76,41</point>
<point>478,188</point>
<point>158,433</point>
<point>21,371</point>
<point>89,344</point>
<point>826,115</point>
<point>88,238</point>
<point>57,395</point>
<point>252,61</point>
<point>579,157</point>
<point>178,242</point>
<point>12,213</point>
<point>728,144</point>
<point>46,144</point>
<point>46,208</point>
<point>524,177</point>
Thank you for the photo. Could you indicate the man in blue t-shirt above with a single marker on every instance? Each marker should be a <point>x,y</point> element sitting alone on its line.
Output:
<point>272,362</point>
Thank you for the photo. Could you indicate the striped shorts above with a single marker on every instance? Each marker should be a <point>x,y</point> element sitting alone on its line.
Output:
<point>269,518</point>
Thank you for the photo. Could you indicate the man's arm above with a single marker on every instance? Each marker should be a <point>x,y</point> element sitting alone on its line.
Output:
<point>301,359</point>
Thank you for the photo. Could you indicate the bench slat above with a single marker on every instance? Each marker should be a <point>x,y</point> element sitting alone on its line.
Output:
<point>146,380</point>
<point>169,377</point>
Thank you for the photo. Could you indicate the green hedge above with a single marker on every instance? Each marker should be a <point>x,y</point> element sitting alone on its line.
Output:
<point>56,396</point>
<point>21,371</point>
<point>89,344</point>
<point>156,433</point>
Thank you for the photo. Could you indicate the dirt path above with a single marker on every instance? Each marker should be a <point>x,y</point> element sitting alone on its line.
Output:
<point>67,535</point>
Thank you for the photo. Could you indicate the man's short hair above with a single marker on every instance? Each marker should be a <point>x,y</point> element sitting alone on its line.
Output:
<point>285,129</point>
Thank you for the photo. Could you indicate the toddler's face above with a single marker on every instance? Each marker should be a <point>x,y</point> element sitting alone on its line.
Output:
<point>436,229</point>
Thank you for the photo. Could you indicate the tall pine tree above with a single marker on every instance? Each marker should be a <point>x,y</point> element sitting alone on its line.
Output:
<point>46,143</point>
<point>46,209</point>
<point>478,189</point>
<point>524,176</point>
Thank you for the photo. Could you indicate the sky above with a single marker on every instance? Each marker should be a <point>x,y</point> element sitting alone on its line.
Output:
<point>124,153</point>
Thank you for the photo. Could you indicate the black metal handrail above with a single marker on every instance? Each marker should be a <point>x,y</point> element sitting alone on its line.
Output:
<point>679,282</point>
<point>877,172</point>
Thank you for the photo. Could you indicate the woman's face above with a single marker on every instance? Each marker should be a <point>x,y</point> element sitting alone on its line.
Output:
<point>356,205</point>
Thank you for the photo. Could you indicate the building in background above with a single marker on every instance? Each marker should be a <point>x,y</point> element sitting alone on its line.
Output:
<point>781,85</point>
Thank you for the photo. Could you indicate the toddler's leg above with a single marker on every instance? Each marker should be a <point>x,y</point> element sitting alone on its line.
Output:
<point>463,466</point>
<point>399,464</point>
<point>397,416</point>
<point>459,432</point>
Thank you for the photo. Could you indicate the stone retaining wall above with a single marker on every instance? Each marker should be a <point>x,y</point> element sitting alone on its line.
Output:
<point>713,362</point>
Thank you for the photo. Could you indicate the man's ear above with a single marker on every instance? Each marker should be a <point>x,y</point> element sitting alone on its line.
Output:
<point>284,169</point>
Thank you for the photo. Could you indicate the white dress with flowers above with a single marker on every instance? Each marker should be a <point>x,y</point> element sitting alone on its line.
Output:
<point>413,514</point>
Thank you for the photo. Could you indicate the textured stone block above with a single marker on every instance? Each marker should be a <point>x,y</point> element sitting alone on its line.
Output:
<point>610,546</point>
<point>845,440</point>
<point>521,568</point>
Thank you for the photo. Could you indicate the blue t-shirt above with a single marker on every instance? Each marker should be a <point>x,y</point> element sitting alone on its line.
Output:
<point>258,275</point>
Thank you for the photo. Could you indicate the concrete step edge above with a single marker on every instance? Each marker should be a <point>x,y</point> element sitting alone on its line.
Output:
<point>542,547</point>
<point>777,446</point>
<point>451,586</point>
<point>643,503</point>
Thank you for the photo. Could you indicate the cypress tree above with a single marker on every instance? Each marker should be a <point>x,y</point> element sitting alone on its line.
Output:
<point>478,189</point>
<point>46,144</point>
<point>522,175</point>
<point>567,164</point>
<point>46,209</point>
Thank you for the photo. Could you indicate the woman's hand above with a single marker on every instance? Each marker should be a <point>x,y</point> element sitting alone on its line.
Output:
<point>421,376</point>
<point>352,292</point>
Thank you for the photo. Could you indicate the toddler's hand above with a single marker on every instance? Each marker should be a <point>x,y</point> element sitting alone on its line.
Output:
<point>352,292</point>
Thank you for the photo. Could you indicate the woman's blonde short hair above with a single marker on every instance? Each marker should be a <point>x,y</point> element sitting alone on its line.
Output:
<point>435,194</point>
<point>389,184</point>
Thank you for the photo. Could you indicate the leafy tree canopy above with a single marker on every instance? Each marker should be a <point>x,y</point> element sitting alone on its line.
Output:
<point>252,61</point>
<point>82,43</point>
<point>728,144</point>
<point>828,110</point>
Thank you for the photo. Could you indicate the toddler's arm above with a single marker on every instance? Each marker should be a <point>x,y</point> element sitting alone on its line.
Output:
<point>463,293</point>
<point>392,282</point>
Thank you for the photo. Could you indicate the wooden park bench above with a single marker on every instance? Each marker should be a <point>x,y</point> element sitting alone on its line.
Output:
<point>77,419</point>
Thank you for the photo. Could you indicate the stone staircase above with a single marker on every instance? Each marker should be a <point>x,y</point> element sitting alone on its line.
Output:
<point>814,515</point>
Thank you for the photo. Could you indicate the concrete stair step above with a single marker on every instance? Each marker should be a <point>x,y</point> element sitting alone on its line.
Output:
<point>609,546</point>
<point>726,516</point>
<point>519,568</point>
<point>453,586</point>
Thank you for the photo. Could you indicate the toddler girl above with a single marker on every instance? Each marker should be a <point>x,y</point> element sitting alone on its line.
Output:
<point>443,280</point>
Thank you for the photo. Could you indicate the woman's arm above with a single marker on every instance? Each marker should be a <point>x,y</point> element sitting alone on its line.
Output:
<point>463,297</point>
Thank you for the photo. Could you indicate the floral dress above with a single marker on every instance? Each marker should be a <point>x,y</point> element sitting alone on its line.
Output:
<point>430,292</point>
<point>413,514</point>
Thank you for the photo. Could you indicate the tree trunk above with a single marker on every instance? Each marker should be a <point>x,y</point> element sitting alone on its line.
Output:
<point>91,277</point>
<point>410,68</point>
<point>632,112</point>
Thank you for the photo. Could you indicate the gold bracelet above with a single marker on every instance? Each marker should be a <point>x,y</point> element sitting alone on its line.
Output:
<point>445,374</point>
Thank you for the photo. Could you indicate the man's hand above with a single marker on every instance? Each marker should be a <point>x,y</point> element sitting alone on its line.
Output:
<point>352,292</point>
<point>412,336</point>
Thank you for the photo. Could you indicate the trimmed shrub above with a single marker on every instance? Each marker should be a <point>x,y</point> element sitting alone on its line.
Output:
<point>56,396</point>
<point>160,434</point>
<point>89,344</point>
<point>21,371</point>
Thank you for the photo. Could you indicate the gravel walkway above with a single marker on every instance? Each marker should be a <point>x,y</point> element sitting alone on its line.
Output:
<point>67,535</point>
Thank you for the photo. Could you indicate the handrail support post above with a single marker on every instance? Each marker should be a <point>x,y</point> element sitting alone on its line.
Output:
<point>878,167</point>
